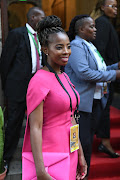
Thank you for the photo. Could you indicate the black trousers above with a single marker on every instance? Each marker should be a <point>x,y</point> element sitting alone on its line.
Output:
<point>88,124</point>
<point>15,115</point>
<point>104,127</point>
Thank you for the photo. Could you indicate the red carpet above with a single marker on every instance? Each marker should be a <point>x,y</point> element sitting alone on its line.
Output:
<point>102,166</point>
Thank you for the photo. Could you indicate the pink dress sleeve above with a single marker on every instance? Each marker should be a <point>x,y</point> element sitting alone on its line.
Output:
<point>36,93</point>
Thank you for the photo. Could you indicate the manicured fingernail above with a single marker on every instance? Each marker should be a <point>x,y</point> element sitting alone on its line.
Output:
<point>83,174</point>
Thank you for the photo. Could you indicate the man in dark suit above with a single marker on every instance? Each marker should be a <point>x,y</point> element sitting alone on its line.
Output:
<point>18,64</point>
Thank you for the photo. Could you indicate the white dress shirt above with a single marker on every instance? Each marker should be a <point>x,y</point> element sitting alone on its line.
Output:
<point>33,49</point>
<point>101,67</point>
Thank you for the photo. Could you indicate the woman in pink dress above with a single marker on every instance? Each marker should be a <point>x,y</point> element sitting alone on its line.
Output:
<point>51,102</point>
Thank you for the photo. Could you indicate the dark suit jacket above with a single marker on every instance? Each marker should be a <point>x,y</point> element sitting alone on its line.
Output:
<point>16,64</point>
<point>107,41</point>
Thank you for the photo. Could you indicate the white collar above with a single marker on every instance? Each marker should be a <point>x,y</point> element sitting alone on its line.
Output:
<point>31,29</point>
<point>88,43</point>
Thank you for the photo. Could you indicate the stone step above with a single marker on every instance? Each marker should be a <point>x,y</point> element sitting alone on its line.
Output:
<point>15,171</point>
<point>14,177</point>
<point>15,168</point>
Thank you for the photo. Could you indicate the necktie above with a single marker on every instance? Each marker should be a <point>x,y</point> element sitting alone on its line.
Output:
<point>37,55</point>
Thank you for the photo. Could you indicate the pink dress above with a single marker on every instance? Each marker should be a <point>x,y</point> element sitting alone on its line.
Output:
<point>56,114</point>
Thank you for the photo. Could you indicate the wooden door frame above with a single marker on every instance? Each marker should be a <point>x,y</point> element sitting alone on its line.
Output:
<point>4,20</point>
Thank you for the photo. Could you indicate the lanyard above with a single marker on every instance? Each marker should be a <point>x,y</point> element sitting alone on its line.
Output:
<point>100,56</point>
<point>34,41</point>
<point>73,90</point>
<point>52,70</point>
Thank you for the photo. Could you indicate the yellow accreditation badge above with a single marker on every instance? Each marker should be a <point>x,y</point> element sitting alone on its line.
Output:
<point>74,138</point>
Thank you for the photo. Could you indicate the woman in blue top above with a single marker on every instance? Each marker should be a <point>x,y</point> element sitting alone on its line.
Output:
<point>90,75</point>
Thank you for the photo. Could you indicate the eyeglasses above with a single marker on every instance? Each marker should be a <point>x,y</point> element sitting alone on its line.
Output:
<point>112,6</point>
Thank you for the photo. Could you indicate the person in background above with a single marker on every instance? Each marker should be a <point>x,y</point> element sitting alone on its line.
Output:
<point>51,102</point>
<point>107,43</point>
<point>20,58</point>
<point>88,72</point>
